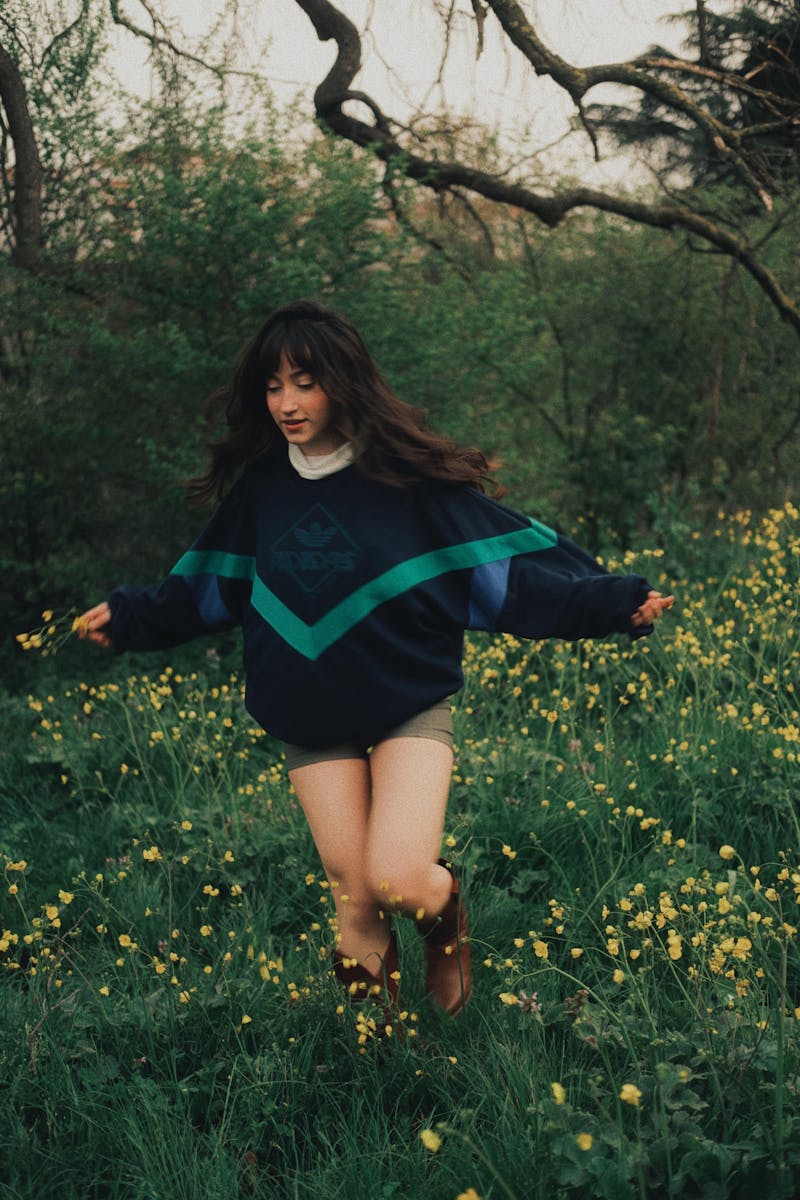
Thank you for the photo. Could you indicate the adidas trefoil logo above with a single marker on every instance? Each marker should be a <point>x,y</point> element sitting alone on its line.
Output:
<point>316,535</point>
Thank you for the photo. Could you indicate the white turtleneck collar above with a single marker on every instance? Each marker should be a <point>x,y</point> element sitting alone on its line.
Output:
<point>318,466</point>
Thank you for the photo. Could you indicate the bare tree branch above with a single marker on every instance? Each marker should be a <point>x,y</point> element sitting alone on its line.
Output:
<point>65,32</point>
<point>448,29</point>
<point>438,175</point>
<point>480,10</point>
<point>158,36</point>
<point>733,83</point>
<point>590,130</point>
<point>577,81</point>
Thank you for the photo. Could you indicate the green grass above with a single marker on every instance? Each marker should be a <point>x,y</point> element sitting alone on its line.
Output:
<point>624,819</point>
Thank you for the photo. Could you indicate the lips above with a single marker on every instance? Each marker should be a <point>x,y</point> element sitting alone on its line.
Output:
<point>294,425</point>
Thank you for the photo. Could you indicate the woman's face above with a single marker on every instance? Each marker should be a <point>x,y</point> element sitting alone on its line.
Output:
<point>301,410</point>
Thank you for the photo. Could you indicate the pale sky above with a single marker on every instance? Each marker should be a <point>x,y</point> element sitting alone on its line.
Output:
<point>401,54</point>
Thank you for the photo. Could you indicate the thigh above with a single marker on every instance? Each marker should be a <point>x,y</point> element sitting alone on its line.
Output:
<point>410,787</point>
<point>335,797</point>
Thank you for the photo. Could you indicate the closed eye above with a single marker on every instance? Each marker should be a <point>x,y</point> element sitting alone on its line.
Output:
<point>305,384</point>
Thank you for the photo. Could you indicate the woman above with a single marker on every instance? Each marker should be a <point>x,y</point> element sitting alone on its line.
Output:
<point>355,547</point>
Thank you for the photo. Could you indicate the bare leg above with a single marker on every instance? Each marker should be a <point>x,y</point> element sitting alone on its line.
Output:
<point>335,797</point>
<point>410,786</point>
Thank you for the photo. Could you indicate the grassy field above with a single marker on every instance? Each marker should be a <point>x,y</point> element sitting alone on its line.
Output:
<point>625,820</point>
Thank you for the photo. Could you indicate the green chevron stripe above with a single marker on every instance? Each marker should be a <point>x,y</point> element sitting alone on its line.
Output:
<point>216,562</point>
<point>313,640</point>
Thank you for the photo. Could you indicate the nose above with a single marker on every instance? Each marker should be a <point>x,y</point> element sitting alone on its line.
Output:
<point>289,400</point>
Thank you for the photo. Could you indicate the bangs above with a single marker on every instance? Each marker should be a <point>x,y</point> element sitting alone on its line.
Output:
<point>298,340</point>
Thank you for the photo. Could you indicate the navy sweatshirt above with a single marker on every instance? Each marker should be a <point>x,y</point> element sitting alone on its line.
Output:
<point>353,596</point>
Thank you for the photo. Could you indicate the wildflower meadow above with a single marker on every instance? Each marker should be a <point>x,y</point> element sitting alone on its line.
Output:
<point>624,816</point>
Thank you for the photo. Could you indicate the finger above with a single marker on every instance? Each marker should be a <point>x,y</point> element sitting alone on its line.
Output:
<point>97,609</point>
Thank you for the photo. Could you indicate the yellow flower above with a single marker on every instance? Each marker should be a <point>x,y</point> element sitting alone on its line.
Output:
<point>576,951</point>
<point>509,998</point>
<point>540,949</point>
<point>104,990</point>
<point>559,1095</point>
<point>66,897</point>
<point>124,939</point>
<point>227,857</point>
<point>727,852</point>
<point>674,945</point>
<point>430,1140</point>
<point>186,826</point>
<point>17,866</point>
<point>205,930</point>
<point>246,1020</point>
<point>469,1194</point>
<point>630,1094</point>
<point>151,855</point>
<point>51,912</point>
<point>509,853</point>
<point>584,1141</point>
<point>618,976</point>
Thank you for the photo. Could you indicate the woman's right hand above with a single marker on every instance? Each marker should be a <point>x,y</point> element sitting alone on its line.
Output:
<point>93,622</point>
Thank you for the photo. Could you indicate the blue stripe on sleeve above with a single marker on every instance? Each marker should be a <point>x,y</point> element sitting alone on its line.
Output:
<point>211,608</point>
<point>488,591</point>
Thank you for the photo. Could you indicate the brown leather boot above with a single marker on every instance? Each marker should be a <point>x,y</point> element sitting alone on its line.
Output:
<point>448,978</point>
<point>383,989</point>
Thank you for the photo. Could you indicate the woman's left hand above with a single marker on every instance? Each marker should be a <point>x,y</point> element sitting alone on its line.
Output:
<point>649,612</point>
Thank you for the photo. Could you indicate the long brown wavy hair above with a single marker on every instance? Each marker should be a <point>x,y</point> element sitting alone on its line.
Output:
<point>394,442</point>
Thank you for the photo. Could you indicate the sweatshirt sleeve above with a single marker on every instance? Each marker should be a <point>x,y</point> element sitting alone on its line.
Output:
<point>559,591</point>
<point>205,592</point>
<point>533,582</point>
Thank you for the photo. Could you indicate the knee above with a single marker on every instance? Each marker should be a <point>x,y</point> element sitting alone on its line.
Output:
<point>398,884</point>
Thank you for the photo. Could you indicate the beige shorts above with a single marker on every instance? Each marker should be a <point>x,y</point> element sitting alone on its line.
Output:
<point>435,723</point>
